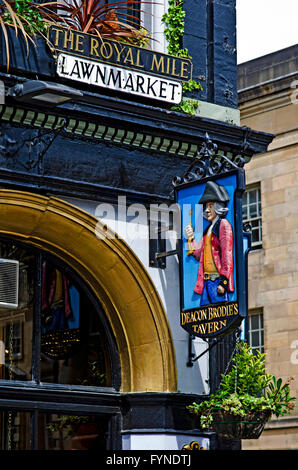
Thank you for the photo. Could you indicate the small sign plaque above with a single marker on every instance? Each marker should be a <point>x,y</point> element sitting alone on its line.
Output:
<point>120,67</point>
<point>119,79</point>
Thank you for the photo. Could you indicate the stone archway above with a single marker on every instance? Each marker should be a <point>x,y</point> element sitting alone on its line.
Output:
<point>112,271</point>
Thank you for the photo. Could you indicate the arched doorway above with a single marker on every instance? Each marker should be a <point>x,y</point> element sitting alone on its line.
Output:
<point>112,272</point>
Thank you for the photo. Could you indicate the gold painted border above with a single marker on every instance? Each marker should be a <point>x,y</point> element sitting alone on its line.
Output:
<point>112,63</point>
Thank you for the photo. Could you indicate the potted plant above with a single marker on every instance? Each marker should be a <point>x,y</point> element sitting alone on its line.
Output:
<point>246,399</point>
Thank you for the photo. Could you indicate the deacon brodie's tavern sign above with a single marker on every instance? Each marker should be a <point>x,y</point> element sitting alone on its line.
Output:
<point>117,66</point>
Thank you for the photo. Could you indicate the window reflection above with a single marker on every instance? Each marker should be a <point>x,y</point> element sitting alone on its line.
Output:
<point>72,432</point>
<point>73,349</point>
<point>14,430</point>
<point>16,324</point>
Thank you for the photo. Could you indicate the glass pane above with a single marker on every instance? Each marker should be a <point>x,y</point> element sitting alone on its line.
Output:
<point>14,430</point>
<point>73,350</point>
<point>16,322</point>
<point>255,235</point>
<point>254,322</point>
<point>253,210</point>
<point>255,339</point>
<point>244,212</point>
<point>72,432</point>
<point>252,196</point>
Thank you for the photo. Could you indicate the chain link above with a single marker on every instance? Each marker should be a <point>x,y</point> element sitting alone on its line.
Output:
<point>10,372</point>
<point>237,337</point>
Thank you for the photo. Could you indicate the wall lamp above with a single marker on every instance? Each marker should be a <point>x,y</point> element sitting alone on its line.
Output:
<point>36,91</point>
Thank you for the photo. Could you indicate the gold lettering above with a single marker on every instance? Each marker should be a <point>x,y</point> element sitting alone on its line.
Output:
<point>103,50</point>
<point>174,69</point>
<point>68,39</point>
<point>210,313</point>
<point>79,42</point>
<point>119,52</point>
<point>58,31</point>
<point>184,71</point>
<point>168,65</point>
<point>138,59</point>
<point>157,65</point>
<point>202,329</point>
<point>94,46</point>
<point>235,309</point>
<point>222,324</point>
<point>129,57</point>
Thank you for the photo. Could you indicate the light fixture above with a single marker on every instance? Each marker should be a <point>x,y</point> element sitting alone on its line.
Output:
<point>36,91</point>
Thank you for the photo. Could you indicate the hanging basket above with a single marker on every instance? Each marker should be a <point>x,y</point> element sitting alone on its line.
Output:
<point>229,426</point>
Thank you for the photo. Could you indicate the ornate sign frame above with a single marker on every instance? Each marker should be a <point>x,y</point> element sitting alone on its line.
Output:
<point>213,270</point>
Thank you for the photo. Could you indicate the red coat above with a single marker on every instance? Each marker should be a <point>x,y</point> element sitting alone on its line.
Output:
<point>222,251</point>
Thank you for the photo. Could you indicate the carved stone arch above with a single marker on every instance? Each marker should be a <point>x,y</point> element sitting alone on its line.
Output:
<point>113,272</point>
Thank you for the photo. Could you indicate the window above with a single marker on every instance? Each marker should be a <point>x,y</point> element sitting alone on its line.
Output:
<point>252,213</point>
<point>58,352</point>
<point>151,15</point>
<point>256,331</point>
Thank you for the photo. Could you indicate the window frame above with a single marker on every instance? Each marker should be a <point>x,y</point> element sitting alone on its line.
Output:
<point>254,187</point>
<point>260,330</point>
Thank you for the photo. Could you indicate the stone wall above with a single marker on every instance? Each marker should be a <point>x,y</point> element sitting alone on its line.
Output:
<point>273,270</point>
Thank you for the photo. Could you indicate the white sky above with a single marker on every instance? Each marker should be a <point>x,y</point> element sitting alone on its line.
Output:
<point>265,26</point>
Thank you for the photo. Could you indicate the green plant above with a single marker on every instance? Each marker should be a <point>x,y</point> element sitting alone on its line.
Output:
<point>29,15</point>
<point>246,389</point>
<point>141,38</point>
<point>23,16</point>
<point>174,30</point>
<point>187,106</point>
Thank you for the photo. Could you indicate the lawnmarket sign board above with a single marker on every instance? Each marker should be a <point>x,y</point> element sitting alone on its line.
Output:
<point>120,67</point>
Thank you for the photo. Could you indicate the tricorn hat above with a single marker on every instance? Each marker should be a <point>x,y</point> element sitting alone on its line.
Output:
<point>214,193</point>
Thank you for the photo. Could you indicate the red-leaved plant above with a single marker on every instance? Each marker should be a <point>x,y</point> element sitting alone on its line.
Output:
<point>117,20</point>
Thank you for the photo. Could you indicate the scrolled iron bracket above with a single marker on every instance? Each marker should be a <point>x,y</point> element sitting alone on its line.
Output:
<point>209,162</point>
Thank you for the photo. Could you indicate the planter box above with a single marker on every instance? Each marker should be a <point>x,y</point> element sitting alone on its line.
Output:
<point>38,61</point>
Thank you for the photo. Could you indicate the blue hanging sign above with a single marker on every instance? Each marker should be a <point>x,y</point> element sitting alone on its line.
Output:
<point>213,271</point>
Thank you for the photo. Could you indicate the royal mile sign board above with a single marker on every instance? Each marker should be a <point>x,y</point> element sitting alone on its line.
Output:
<point>120,67</point>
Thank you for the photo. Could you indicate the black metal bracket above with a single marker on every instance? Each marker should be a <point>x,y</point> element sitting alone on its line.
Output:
<point>157,245</point>
<point>209,162</point>
<point>191,356</point>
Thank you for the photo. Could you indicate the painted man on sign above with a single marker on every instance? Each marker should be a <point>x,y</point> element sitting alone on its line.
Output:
<point>215,250</point>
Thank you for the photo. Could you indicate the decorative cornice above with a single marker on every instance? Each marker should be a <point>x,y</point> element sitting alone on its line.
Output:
<point>93,130</point>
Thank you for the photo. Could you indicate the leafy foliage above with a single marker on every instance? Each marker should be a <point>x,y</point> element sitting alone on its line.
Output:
<point>174,22</point>
<point>174,30</point>
<point>28,13</point>
<point>187,106</point>
<point>23,16</point>
<point>246,388</point>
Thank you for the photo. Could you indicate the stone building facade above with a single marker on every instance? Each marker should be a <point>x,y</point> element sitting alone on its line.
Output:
<point>268,101</point>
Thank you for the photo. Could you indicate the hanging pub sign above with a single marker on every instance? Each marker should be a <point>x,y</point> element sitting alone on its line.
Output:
<point>120,67</point>
<point>212,260</point>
